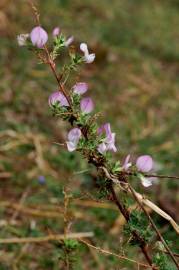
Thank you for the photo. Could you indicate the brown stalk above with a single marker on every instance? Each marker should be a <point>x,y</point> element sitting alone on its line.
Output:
<point>153,225</point>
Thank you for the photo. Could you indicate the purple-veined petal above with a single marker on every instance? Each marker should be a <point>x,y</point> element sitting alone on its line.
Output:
<point>102,148</point>
<point>80,88</point>
<point>56,31</point>
<point>144,163</point>
<point>74,135</point>
<point>105,128</point>
<point>110,144</point>
<point>109,140</point>
<point>58,97</point>
<point>86,105</point>
<point>38,36</point>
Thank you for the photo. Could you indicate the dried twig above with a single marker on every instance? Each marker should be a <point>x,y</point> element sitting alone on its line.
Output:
<point>48,238</point>
<point>107,252</point>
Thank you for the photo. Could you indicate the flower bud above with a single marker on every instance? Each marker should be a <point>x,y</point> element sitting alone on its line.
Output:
<point>126,165</point>
<point>69,41</point>
<point>86,105</point>
<point>38,37</point>
<point>56,32</point>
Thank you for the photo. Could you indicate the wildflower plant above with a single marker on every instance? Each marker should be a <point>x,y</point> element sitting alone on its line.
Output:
<point>97,144</point>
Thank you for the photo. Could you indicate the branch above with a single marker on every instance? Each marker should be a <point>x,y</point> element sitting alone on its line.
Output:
<point>107,252</point>
<point>154,226</point>
<point>48,238</point>
<point>142,199</point>
<point>154,175</point>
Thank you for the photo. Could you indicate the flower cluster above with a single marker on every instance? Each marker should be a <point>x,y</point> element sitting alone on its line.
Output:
<point>39,38</point>
<point>103,139</point>
<point>143,164</point>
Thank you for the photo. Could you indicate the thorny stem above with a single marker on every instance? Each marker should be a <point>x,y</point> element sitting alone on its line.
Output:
<point>50,61</point>
<point>124,211</point>
<point>153,225</point>
<point>92,159</point>
<point>52,66</point>
<point>120,206</point>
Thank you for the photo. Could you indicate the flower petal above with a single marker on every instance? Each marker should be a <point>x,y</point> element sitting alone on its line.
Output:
<point>74,135</point>
<point>58,97</point>
<point>146,182</point>
<point>38,36</point>
<point>80,88</point>
<point>127,164</point>
<point>102,148</point>
<point>84,48</point>
<point>71,146</point>
<point>86,105</point>
<point>144,163</point>
<point>89,58</point>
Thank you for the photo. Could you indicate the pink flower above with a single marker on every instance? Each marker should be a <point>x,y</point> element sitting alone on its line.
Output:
<point>88,57</point>
<point>56,32</point>
<point>144,163</point>
<point>38,36</point>
<point>80,88</point>
<point>127,164</point>
<point>69,41</point>
<point>73,138</point>
<point>58,97</point>
<point>86,105</point>
<point>109,141</point>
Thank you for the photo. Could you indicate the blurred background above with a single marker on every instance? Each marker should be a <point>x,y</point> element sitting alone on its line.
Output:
<point>135,84</point>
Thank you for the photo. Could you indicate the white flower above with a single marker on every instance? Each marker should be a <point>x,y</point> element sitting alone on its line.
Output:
<point>88,57</point>
<point>146,182</point>
<point>22,39</point>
